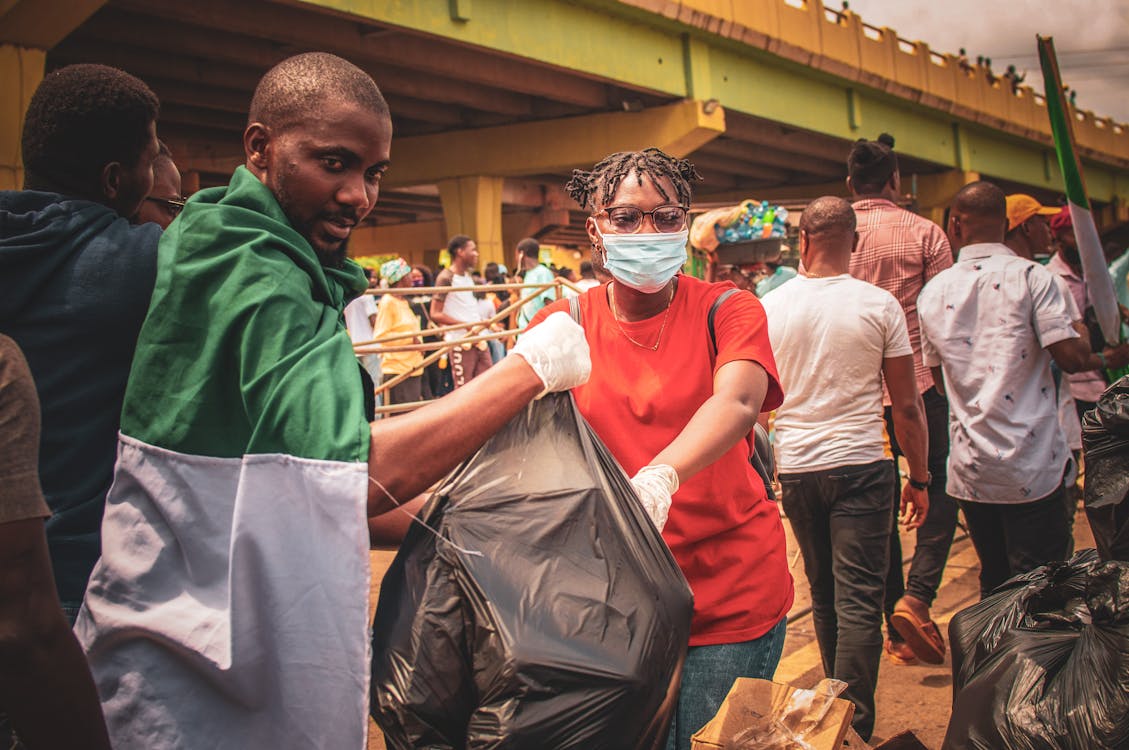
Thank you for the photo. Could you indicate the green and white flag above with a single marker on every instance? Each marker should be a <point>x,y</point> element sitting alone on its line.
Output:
<point>230,606</point>
<point>1094,270</point>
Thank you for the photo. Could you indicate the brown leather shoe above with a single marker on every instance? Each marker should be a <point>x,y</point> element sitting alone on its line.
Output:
<point>900,653</point>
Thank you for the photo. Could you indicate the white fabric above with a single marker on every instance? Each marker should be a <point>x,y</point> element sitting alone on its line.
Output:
<point>461,306</point>
<point>654,484</point>
<point>987,322</point>
<point>585,284</point>
<point>1089,384</point>
<point>357,319</point>
<point>557,350</point>
<point>1067,411</point>
<point>230,606</point>
<point>829,337</point>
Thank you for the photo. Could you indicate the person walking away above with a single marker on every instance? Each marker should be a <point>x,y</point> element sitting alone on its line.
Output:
<point>900,252</point>
<point>836,338</point>
<point>991,326</point>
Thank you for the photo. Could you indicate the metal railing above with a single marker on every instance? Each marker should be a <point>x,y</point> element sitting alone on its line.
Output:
<point>437,349</point>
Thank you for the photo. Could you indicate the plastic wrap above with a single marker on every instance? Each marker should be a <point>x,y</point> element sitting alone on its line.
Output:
<point>1105,438</point>
<point>1044,661</point>
<point>561,623</point>
<point>787,726</point>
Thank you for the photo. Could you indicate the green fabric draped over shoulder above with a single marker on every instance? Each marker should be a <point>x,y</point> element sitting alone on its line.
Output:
<point>244,350</point>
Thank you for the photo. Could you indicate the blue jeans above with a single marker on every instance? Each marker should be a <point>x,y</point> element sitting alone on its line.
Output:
<point>709,673</point>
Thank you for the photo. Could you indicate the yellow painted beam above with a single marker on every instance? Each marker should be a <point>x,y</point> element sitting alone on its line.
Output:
<point>936,191</point>
<point>21,70</point>
<point>473,206</point>
<point>551,145</point>
<point>43,23</point>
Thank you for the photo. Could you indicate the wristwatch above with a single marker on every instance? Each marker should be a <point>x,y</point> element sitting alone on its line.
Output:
<point>921,485</point>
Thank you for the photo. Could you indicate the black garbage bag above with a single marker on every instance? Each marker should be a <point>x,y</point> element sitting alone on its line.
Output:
<point>1043,663</point>
<point>560,620</point>
<point>1105,438</point>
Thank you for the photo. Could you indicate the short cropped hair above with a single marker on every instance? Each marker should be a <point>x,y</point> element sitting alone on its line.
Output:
<point>457,243</point>
<point>529,248</point>
<point>981,199</point>
<point>871,164</point>
<point>81,118</point>
<point>294,90</point>
<point>829,215</point>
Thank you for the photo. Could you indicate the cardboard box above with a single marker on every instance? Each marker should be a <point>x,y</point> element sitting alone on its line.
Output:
<point>752,703</point>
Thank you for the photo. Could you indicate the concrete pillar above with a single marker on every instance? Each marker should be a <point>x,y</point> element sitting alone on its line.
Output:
<point>21,70</point>
<point>473,206</point>
<point>934,192</point>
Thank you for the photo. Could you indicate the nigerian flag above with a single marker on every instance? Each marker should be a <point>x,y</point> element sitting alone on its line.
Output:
<point>1094,269</point>
<point>230,606</point>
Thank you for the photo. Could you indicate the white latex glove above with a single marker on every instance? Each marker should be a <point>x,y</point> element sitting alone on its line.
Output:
<point>557,351</point>
<point>654,485</point>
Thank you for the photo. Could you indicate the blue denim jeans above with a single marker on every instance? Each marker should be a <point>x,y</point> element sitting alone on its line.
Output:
<point>709,673</point>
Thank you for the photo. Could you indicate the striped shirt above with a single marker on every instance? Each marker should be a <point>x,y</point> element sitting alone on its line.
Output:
<point>900,252</point>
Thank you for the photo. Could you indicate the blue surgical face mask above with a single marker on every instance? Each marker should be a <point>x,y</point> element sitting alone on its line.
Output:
<point>644,261</point>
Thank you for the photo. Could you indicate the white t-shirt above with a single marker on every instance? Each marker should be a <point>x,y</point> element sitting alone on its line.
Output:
<point>830,337</point>
<point>459,305</point>
<point>357,318</point>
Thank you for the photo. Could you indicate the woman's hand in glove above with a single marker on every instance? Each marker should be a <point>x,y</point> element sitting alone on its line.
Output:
<point>654,484</point>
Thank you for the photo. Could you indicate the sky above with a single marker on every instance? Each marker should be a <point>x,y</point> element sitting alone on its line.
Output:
<point>1091,39</point>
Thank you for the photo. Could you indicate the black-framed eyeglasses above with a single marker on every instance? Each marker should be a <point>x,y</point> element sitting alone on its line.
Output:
<point>629,219</point>
<point>173,205</point>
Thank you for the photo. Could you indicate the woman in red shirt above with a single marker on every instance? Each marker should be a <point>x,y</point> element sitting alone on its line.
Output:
<point>676,415</point>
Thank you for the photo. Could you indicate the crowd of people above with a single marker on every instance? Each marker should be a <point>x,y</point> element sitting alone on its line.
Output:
<point>192,471</point>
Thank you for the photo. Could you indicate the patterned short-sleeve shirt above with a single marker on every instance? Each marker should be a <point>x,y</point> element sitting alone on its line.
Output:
<point>987,322</point>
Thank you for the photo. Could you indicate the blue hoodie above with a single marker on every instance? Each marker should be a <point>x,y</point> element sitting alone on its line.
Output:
<point>75,282</point>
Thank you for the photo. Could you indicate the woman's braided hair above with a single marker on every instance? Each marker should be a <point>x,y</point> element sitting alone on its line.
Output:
<point>588,188</point>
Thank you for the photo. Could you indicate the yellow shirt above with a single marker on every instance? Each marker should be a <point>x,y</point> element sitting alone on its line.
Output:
<point>394,315</point>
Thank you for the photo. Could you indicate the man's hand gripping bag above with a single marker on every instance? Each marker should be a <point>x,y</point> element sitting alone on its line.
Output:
<point>551,613</point>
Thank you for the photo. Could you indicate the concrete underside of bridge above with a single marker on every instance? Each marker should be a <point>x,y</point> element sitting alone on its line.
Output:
<point>494,102</point>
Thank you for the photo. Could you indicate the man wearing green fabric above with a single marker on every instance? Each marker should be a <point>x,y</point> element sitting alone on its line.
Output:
<point>534,273</point>
<point>229,609</point>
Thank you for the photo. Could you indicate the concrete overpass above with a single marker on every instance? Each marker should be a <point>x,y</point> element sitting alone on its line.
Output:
<point>495,101</point>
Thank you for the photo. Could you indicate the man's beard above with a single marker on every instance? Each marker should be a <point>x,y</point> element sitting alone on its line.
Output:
<point>334,258</point>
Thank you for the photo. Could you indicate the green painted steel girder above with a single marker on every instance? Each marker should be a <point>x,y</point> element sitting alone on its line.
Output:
<point>607,40</point>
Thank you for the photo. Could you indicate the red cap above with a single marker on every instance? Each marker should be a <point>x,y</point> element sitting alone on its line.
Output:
<point>1062,220</point>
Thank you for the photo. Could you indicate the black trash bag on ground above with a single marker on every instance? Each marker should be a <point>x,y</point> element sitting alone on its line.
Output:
<point>1105,437</point>
<point>1043,663</point>
<point>562,622</point>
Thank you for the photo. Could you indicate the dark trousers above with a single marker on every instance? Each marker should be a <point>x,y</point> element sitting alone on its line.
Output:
<point>935,536</point>
<point>841,519</point>
<point>1014,538</point>
<point>407,391</point>
<point>467,364</point>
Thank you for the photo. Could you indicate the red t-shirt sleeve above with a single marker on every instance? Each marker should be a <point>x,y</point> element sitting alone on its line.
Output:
<point>560,305</point>
<point>742,334</point>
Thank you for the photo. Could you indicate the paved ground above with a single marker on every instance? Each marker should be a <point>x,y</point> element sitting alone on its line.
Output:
<point>915,698</point>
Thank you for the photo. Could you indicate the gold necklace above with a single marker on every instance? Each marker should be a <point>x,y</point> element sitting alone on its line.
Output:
<point>666,315</point>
